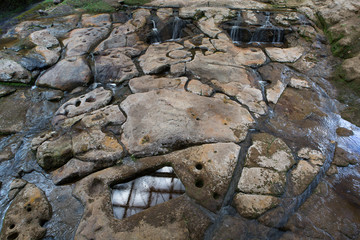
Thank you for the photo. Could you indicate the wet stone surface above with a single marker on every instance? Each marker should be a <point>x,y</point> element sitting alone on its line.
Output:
<point>225,127</point>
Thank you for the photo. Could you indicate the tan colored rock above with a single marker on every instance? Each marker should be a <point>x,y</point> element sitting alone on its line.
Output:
<point>95,145</point>
<point>284,54</point>
<point>37,141</point>
<point>81,40</point>
<point>273,93</point>
<point>139,17</point>
<point>164,13</point>
<point>268,151</point>
<point>262,181</point>
<point>156,58</point>
<point>107,115</point>
<point>351,68</point>
<point>27,214</point>
<point>159,120</point>
<point>252,206</point>
<point>11,71</point>
<point>122,35</point>
<point>50,56</point>
<point>197,87</point>
<point>44,38</point>
<point>77,74</point>
<point>302,176</point>
<point>343,158</point>
<point>314,156</point>
<point>98,20</point>
<point>88,102</point>
<point>250,17</point>
<point>178,69</point>
<point>240,56</point>
<point>114,66</point>
<point>148,83</point>
<point>208,26</point>
<point>298,83</point>
<point>206,171</point>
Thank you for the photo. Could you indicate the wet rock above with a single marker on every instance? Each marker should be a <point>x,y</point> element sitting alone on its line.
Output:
<point>11,71</point>
<point>158,57</point>
<point>148,83</point>
<point>252,206</point>
<point>13,110</point>
<point>54,153</point>
<point>9,150</point>
<point>344,132</point>
<point>26,215</point>
<point>57,27</point>
<point>114,66</point>
<point>273,72</point>
<point>53,95</point>
<point>313,156</point>
<point>273,93</point>
<point>81,40</point>
<point>342,158</point>
<point>332,170</point>
<point>99,20</point>
<point>95,145</point>
<point>302,176</point>
<point>15,187</point>
<point>209,27</point>
<point>122,35</point>
<point>284,54</point>
<point>88,102</point>
<point>268,151</point>
<point>261,181</point>
<point>77,74</point>
<point>44,38</point>
<point>299,83</point>
<point>76,169</point>
<point>37,141</point>
<point>5,91</point>
<point>206,171</point>
<point>176,120</point>
<point>195,86</point>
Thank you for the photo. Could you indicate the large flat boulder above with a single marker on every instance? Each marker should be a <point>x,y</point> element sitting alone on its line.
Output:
<point>158,121</point>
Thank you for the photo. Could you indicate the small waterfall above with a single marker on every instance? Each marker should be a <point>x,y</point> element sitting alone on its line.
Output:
<point>235,33</point>
<point>155,34</point>
<point>267,33</point>
<point>176,28</point>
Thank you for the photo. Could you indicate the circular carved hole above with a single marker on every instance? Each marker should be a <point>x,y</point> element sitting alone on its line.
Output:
<point>90,99</point>
<point>216,195</point>
<point>13,236</point>
<point>12,226</point>
<point>199,166</point>
<point>197,119</point>
<point>28,209</point>
<point>78,102</point>
<point>42,222</point>
<point>199,183</point>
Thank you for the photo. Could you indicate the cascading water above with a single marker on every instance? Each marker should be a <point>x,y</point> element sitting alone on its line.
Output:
<point>235,30</point>
<point>267,33</point>
<point>176,28</point>
<point>155,34</point>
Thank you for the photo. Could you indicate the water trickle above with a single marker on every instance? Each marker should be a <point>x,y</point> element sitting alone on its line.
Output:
<point>268,33</point>
<point>235,33</point>
<point>155,34</point>
<point>145,192</point>
<point>176,28</point>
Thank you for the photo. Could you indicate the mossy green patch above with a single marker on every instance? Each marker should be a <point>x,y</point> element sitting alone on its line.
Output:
<point>136,2</point>
<point>90,6</point>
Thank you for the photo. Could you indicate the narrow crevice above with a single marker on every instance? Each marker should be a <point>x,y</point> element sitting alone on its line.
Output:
<point>226,208</point>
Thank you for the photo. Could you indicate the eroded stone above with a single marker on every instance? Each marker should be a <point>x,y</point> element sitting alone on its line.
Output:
<point>302,176</point>
<point>11,71</point>
<point>284,54</point>
<point>148,83</point>
<point>179,118</point>
<point>252,206</point>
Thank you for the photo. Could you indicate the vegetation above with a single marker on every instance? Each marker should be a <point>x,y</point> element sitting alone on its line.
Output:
<point>90,6</point>
<point>136,2</point>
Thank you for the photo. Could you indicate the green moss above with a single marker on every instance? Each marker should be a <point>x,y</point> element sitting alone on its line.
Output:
<point>15,84</point>
<point>136,2</point>
<point>90,6</point>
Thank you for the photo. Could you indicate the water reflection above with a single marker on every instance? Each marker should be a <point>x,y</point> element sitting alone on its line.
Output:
<point>144,192</point>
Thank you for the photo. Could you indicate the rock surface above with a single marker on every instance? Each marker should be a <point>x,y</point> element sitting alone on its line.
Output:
<point>78,74</point>
<point>284,54</point>
<point>252,206</point>
<point>27,214</point>
<point>11,71</point>
<point>148,83</point>
<point>182,122</point>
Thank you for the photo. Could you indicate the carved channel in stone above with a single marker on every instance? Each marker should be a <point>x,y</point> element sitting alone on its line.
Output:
<point>142,193</point>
